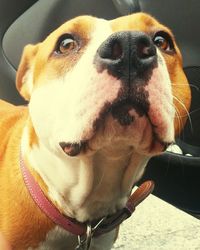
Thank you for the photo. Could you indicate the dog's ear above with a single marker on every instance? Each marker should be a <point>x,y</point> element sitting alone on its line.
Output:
<point>24,79</point>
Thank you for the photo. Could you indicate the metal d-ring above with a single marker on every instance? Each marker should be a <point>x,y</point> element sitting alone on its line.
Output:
<point>89,234</point>
<point>84,241</point>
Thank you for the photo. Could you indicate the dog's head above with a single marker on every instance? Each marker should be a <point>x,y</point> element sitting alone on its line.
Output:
<point>114,86</point>
<point>94,82</point>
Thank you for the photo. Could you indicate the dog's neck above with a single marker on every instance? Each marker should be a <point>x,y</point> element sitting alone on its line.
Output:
<point>85,187</point>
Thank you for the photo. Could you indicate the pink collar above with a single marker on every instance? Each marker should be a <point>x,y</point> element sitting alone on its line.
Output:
<point>46,206</point>
<point>72,225</point>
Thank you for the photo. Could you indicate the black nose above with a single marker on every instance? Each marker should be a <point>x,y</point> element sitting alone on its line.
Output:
<point>127,55</point>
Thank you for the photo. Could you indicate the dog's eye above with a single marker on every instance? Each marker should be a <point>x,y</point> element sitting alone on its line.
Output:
<point>163,41</point>
<point>66,44</point>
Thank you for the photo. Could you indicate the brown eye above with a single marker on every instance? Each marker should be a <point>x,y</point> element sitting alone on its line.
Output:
<point>163,41</point>
<point>66,44</point>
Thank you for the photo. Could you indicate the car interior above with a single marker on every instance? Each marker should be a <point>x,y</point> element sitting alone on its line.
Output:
<point>176,176</point>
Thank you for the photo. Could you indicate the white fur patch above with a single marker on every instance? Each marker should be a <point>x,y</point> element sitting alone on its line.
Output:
<point>60,239</point>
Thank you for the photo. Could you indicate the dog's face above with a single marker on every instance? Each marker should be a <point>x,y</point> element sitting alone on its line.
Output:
<point>103,90</point>
<point>94,82</point>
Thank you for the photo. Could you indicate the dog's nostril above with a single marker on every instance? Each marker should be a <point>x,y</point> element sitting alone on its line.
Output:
<point>117,51</point>
<point>71,149</point>
<point>145,50</point>
<point>111,50</point>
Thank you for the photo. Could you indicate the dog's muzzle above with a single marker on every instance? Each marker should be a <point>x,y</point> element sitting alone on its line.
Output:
<point>129,56</point>
<point>126,55</point>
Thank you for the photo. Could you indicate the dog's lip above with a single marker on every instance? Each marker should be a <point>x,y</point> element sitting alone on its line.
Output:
<point>163,144</point>
<point>73,149</point>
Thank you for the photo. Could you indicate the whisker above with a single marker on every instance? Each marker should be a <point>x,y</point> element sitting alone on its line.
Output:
<point>188,114</point>
<point>185,84</point>
<point>180,123</point>
<point>177,114</point>
<point>193,111</point>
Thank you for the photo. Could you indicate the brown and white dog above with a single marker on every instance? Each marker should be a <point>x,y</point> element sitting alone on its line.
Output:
<point>104,97</point>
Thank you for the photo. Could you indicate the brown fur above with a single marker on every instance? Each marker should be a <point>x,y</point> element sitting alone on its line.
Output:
<point>14,194</point>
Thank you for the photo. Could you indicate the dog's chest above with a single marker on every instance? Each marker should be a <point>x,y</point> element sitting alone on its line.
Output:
<point>57,238</point>
<point>60,239</point>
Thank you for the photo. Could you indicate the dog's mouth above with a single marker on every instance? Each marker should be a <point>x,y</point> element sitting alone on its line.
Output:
<point>125,113</point>
<point>121,111</point>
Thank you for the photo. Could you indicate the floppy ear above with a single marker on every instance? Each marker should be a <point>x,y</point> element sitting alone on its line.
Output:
<point>24,79</point>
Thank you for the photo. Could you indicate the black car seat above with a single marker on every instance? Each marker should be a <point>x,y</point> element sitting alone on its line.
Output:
<point>177,177</point>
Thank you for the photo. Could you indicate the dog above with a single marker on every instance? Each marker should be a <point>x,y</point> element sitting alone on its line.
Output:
<point>103,98</point>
